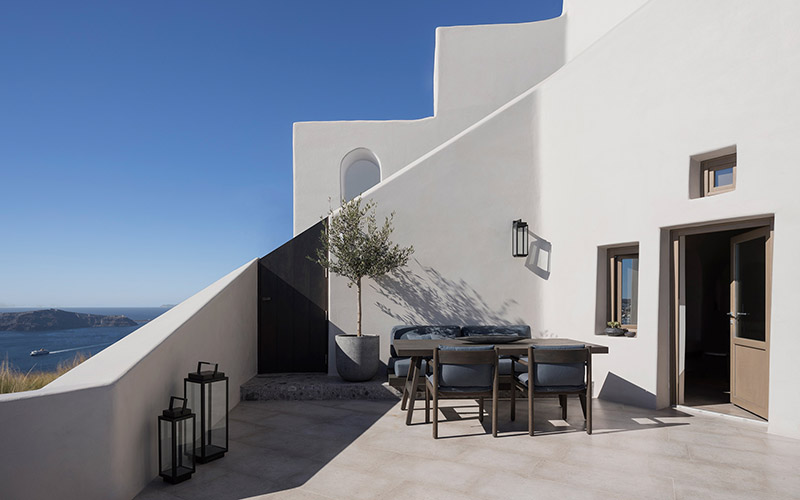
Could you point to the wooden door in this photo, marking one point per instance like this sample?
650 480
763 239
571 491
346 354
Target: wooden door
292 310
751 284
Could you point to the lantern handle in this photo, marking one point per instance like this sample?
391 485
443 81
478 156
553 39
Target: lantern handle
201 363
172 400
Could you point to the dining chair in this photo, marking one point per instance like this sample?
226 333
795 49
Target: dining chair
462 372
556 370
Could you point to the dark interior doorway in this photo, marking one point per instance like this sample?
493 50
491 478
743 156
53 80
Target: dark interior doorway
708 298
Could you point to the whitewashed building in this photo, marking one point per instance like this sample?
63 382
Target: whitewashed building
649 146
643 143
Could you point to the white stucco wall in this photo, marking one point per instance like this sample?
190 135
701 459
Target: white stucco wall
92 433
599 154
476 70
455 206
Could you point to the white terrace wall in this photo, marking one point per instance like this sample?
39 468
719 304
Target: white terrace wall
92 433
599 154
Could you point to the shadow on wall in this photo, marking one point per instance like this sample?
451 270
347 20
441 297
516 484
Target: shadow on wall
428 298
539 253
619 390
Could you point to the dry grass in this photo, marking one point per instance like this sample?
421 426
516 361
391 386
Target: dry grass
13 380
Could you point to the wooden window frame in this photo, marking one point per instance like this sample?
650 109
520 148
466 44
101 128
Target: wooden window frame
615 256
707 169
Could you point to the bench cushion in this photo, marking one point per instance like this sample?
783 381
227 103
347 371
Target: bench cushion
412 332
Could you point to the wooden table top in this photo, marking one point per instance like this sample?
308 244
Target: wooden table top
425 347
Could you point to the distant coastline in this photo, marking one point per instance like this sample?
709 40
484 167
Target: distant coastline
57 319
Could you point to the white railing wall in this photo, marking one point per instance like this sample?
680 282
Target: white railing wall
92 433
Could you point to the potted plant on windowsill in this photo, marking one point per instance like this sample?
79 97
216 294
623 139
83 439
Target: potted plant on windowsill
355 247
614 329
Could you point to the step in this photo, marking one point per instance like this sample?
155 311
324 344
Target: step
314 386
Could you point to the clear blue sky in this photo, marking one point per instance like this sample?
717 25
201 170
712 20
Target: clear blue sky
146 146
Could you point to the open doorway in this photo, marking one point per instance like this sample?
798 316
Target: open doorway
721 330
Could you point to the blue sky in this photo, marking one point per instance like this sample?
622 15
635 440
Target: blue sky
146 147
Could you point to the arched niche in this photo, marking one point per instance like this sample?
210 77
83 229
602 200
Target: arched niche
360 170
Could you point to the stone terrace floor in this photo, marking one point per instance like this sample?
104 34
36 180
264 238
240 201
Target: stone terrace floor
360 449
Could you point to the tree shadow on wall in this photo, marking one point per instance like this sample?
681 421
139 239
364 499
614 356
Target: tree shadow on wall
427 297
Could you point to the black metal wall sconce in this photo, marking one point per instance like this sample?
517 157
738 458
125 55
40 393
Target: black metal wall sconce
519 238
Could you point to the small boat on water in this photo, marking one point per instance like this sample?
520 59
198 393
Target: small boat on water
40 352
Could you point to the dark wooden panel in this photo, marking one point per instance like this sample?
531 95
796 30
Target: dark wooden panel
293 297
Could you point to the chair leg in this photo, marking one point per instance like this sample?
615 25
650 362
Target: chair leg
582 397
435 414
530 409
480 409
494 412
427 404
513 401
588 414
562 400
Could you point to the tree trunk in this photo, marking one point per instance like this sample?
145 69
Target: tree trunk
358 285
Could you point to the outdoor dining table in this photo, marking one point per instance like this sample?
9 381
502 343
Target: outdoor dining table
417 349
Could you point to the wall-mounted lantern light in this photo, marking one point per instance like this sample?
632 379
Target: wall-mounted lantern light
207 393
519 238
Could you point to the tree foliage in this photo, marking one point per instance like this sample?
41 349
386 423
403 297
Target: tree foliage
355 246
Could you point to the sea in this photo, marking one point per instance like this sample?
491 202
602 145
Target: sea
65 344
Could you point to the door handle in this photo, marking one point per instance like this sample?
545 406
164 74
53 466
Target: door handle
266 299
736 315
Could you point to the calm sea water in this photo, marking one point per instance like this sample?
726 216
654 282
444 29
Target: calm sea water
65 344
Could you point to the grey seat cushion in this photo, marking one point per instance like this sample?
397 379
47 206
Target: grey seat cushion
519 330
400 366
523 378
473 377
412 332
504 366
552 377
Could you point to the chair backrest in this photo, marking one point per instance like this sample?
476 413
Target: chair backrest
413 332
519 330
465 366
559 365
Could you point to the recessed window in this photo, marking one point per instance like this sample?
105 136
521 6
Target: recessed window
623 290
360 170
719 175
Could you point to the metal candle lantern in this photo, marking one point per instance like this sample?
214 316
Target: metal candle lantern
207 393
519 238
176 431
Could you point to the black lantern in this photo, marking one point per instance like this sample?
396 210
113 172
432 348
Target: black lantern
176 429
207 392
519 238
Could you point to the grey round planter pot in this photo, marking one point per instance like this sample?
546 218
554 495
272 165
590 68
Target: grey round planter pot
357 358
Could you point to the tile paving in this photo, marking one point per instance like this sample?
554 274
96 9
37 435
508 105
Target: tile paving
356 449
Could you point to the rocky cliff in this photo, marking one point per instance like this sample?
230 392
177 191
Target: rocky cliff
56 319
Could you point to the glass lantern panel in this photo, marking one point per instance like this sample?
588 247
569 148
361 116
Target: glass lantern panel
217 411
185 442
193 402
165 442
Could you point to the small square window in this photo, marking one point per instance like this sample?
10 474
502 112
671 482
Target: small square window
623 290
719 175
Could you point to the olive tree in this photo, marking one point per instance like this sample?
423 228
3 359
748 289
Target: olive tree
355 246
